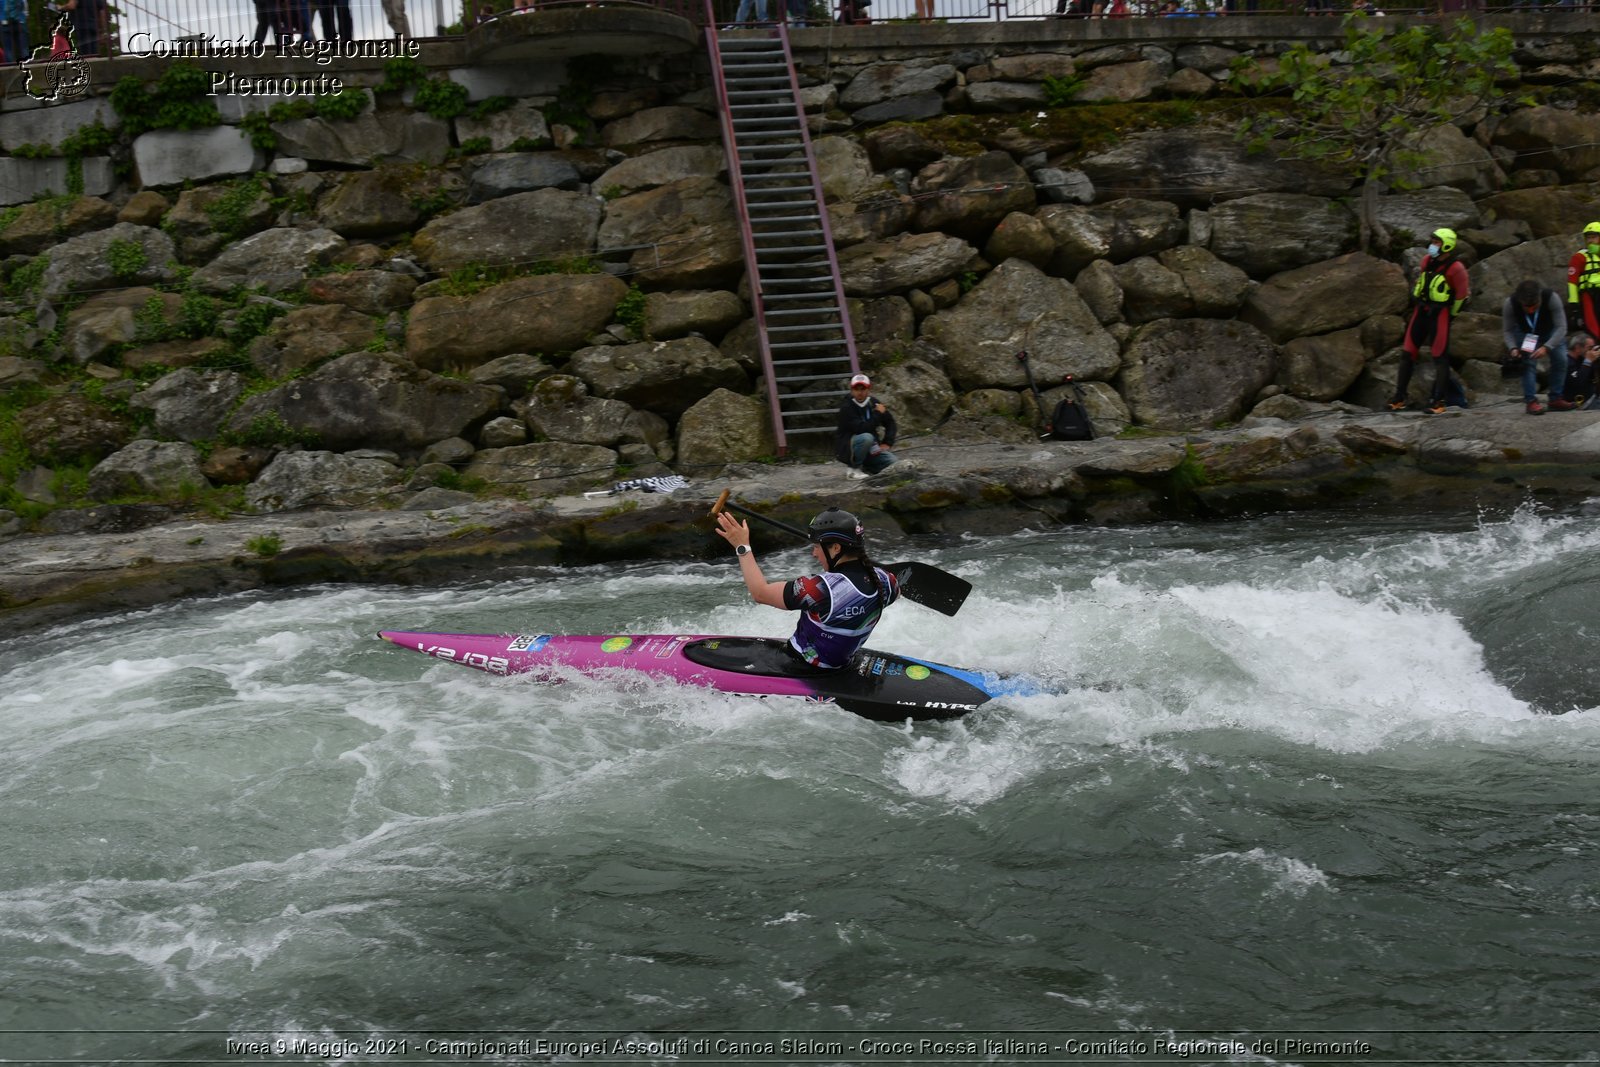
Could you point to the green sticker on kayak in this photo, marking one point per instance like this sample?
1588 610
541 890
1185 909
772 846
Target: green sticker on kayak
615 644
917 672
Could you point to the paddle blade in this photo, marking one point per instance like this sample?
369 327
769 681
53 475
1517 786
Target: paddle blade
929 586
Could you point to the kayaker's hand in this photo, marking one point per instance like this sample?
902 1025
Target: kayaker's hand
732 530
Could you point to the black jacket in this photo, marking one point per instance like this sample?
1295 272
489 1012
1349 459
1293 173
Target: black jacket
854 419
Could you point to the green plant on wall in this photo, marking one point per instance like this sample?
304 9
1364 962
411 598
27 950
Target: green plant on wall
126 258
180 100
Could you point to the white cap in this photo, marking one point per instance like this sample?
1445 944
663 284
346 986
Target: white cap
861 379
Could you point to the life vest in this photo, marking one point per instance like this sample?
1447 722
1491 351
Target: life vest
1432 285
1590 278
829 635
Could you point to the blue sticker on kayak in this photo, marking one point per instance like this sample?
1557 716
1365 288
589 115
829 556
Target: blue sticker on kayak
528 643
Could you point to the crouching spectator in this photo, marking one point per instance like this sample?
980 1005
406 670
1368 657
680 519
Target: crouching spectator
1534 323
865 431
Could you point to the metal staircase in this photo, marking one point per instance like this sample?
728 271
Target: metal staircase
808 351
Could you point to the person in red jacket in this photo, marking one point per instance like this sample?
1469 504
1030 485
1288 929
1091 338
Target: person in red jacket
1436 299
1583 282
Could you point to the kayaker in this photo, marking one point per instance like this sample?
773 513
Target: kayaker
839 607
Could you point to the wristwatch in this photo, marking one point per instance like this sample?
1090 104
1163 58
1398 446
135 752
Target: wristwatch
741 550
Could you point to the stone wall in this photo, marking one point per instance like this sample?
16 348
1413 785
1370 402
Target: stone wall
546 289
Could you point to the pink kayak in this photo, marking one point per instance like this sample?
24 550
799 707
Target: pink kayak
876 685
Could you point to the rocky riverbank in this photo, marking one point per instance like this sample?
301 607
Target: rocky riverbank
979 476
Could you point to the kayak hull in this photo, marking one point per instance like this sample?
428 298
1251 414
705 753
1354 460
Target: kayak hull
876 685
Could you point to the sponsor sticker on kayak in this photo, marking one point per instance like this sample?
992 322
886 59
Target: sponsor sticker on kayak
917 672
616 644
528 643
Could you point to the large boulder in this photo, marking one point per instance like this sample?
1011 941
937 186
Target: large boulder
371 292
918 393
377 203
662 167
1196 167
1552 138
1267 233
671 123
969 197
725 427
1216 289
206 218
163 469
1545 261
1124 82
690 235
709 313
1118 231
871 219
1020 308
189 404
172 157
1420 213
1548 211
308 336
845 170
560 409
513 229
372 400
544 469
878 83
523 123
1327 296
661 376
1192 374
1323 367
44 223
375 137
323 480
119 256
1446 156
1150 291
501 175
275 260
73 429
902 262
550 313
1181 281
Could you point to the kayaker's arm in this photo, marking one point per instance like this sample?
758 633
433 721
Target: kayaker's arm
737 534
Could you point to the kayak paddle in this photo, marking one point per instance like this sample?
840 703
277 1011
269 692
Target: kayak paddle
922 583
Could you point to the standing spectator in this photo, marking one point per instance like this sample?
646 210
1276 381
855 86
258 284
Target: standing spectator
86 24
1583 282
797 13
269 19
297 19
1535 328
866 430
924 10
755 8
337 22
1437 297
395 12
13 31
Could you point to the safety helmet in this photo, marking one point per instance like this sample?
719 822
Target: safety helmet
836 527
1592 228
1446 239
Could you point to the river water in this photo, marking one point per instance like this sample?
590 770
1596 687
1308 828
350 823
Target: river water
1315 789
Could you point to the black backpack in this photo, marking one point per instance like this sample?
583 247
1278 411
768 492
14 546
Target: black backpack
1069 422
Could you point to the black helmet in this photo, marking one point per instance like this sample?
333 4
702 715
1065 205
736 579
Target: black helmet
835 527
